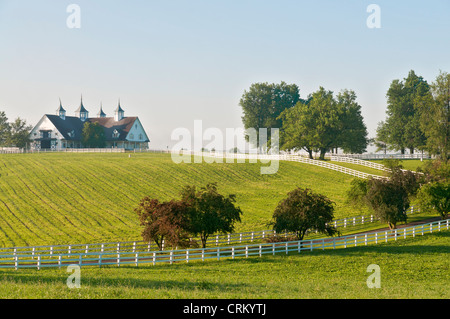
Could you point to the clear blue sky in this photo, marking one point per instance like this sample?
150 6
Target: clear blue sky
172 62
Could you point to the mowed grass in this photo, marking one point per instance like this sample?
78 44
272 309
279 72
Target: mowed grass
413 268
411 165
57 198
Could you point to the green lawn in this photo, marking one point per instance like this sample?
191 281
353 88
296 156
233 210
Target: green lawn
58 198
409 268
361 168
411 165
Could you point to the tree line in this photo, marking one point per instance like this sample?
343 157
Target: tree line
15 133
417 116
322 122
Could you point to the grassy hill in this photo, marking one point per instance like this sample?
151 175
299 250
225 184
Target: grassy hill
82 198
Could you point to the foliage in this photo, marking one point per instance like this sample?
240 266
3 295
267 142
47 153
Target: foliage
19 133
14 133
435 116
434 195
210 212
164 222
418 116
93 135
324 123
263 103
352 136
401 129
304 210
4 128
387 198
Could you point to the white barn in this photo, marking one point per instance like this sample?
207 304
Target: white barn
59 131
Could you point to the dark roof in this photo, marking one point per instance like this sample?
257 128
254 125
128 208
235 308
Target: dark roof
109 125
74 124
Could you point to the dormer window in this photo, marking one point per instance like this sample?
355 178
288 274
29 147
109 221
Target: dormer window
116 134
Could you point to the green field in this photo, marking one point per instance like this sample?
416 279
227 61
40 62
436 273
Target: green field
56 198
410 268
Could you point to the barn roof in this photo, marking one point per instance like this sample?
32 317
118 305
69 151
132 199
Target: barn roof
72 127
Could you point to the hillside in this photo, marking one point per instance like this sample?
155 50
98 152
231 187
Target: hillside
84 198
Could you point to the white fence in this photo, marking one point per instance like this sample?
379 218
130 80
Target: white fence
386 156
186 255
66 150
141 246
283 157
357 161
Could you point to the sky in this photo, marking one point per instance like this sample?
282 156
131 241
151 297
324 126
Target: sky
172 62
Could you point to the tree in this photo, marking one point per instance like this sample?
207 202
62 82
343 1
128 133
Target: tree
210 211
93 135
19 132
4 129
295 134
382 137
323 123
263 103
434 117
304 210
434 195
353 133
388 198
400 129
164 222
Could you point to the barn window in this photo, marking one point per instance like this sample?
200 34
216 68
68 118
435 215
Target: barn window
115 134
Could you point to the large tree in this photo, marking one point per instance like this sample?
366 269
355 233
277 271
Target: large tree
304 210
401 127
353 135
323 123
210 211
262 104
434 120
164 222
434 195
388 198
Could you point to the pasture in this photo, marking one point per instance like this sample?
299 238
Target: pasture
57 198
413 268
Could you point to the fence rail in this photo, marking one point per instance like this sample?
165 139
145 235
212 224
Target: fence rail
142 246
386 156
358 161
283 157
186 255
